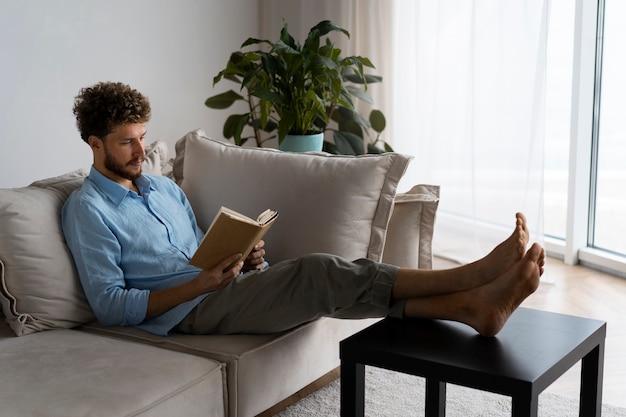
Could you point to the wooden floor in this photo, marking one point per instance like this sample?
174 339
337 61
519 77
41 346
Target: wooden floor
574 290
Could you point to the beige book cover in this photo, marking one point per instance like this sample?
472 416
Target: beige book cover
231 232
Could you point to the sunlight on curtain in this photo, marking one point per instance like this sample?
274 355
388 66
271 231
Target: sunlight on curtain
464 93
468 102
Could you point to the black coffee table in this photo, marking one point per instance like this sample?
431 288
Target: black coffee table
533 350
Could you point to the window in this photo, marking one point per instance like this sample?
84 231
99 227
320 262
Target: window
608 231
587 34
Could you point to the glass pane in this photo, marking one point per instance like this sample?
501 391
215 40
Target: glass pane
610 204
558 111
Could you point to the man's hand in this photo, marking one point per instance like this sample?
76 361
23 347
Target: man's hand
219 277
206 281
256 259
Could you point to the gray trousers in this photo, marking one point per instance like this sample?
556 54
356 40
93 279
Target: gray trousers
294 292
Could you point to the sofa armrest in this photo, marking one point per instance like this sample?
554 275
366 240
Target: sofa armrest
410 232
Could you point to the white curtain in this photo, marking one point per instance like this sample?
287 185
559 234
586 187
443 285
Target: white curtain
468 82
464 94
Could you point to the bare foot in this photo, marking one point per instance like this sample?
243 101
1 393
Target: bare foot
500 259
513 248
493 304
411 283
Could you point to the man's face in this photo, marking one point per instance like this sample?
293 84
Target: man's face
123 152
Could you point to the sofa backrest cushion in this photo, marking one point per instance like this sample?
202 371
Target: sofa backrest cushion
327 203
39 287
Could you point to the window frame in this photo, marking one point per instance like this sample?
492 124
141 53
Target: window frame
585 113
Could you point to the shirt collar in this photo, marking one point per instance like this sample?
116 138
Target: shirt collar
114 191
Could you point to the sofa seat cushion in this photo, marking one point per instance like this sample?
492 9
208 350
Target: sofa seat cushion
70 373
262 369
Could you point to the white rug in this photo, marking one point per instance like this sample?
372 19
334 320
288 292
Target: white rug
395 394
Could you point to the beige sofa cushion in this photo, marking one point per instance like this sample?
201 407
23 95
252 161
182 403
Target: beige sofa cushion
65 373
156 159
327 203
411 228
262 369
39 287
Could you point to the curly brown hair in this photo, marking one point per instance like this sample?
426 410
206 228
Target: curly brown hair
106 105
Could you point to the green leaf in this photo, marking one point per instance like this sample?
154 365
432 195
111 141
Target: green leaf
234 125
270 126
283 47
223 100
326 26
268 95
352 117
265 110
312 42
330 148
365 61
327 64
357 79
286 38
353 127
232 77
360 94
377 120
254 41
342 113
285 126
348 143
371 148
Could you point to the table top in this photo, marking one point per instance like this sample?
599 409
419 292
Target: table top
534 347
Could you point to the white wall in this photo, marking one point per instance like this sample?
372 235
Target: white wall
168 50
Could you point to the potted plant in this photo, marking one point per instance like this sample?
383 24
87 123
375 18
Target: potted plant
299 89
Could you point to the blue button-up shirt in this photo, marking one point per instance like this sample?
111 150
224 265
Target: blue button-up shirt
125 245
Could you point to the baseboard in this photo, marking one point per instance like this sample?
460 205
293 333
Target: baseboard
304 392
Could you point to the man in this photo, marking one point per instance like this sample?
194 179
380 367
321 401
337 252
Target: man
132 235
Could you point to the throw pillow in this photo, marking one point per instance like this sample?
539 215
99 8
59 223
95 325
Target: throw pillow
156 158
39 287
410 232
327 203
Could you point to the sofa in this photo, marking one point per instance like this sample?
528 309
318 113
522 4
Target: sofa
57 360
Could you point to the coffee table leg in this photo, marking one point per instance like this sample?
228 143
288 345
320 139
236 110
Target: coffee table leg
352 389
591 382
435 398
526 405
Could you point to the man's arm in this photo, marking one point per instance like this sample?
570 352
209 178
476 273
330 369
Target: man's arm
161 301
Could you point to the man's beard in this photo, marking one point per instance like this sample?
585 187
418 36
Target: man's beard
118 168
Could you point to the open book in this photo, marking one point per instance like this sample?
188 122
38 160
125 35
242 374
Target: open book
229 233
